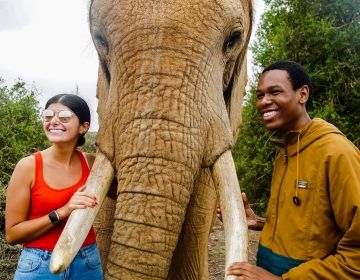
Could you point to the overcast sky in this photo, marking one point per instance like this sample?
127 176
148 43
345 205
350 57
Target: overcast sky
47 42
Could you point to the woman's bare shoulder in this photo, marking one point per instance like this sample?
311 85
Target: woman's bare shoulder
26 163
24 172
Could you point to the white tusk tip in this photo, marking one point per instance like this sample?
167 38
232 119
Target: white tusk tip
57 264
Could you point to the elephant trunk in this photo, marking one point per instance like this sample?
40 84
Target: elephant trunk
155 175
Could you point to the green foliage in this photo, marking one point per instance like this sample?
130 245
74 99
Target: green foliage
20 125
324 36
89 145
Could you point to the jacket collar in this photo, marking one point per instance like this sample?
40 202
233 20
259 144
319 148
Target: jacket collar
308 134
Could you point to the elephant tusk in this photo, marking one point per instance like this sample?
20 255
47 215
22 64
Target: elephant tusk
232 210
81 220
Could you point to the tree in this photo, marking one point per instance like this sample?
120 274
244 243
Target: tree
324 36
20 125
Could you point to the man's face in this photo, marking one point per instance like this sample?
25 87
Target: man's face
277 102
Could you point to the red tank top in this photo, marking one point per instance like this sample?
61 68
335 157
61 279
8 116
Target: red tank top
44 199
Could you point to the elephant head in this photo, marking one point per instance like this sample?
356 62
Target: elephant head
171 80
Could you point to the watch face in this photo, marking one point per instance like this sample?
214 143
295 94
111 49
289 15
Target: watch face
53 216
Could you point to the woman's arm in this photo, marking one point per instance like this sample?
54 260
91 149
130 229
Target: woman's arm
18 229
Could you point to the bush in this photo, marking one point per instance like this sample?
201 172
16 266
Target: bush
20 125
89 145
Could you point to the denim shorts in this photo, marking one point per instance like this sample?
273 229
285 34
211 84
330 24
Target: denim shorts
35 263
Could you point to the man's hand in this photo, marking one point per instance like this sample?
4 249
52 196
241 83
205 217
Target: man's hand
253 221
244 270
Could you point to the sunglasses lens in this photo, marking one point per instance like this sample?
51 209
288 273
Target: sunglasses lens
65 116
47 115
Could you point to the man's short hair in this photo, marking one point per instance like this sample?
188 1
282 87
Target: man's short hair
297 74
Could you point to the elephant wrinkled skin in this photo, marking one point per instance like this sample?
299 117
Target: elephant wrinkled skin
171 80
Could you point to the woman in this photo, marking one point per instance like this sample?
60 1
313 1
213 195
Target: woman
46 187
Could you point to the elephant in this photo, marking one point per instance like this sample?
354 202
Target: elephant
171 81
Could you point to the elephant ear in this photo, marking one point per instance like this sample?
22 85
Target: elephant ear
235 93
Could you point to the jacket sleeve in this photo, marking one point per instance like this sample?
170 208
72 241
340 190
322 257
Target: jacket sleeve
344 191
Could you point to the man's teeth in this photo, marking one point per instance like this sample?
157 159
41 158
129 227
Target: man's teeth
268 114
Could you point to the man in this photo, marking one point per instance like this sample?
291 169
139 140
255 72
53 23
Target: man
312 228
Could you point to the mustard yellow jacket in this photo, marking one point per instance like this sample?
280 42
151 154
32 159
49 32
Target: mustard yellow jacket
320 167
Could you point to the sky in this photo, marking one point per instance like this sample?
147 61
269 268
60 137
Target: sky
47 43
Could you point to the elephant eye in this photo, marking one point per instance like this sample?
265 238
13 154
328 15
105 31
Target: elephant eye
232 40
101 43
103 50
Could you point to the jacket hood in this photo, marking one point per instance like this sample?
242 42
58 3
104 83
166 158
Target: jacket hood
314 130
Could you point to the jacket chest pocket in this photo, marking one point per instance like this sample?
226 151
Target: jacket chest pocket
297 187
298 201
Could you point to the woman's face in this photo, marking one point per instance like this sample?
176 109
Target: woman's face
61 125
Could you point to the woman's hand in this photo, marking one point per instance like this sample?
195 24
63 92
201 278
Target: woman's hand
79 200
253 221
244 270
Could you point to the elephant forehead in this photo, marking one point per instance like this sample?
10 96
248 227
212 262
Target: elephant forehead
199 15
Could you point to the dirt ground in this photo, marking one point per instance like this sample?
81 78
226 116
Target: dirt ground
217 250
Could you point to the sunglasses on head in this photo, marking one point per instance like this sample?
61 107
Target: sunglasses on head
64 116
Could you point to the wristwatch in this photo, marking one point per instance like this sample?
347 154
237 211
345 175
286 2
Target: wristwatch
54 217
